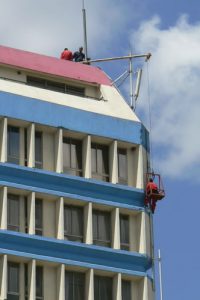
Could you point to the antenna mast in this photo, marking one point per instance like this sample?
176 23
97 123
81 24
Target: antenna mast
84 30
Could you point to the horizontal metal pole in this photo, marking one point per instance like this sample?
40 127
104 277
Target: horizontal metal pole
147 56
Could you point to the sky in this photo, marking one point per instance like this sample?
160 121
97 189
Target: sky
168 103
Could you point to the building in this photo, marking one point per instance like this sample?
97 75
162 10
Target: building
73 161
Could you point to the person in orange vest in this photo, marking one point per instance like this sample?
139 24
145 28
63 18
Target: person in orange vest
151 189
66 54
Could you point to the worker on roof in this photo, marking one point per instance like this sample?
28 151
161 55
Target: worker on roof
79 55
66 54
151 191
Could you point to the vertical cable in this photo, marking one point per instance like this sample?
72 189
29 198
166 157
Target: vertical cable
150 121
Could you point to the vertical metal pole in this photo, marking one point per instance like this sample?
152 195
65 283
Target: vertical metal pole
160 274
152 248
131 81
85 31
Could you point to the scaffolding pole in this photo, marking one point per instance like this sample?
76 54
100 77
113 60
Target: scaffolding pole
146 56
84 31
160 274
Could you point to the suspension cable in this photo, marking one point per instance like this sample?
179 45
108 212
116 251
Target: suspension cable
150 120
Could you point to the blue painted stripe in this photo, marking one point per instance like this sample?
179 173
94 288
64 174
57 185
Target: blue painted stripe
70 186
60 251
51 114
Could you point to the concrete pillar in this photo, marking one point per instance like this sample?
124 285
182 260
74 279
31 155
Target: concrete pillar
89 286
60 218
142 245
59 150
3 277
31 213
115 228
113 164
117 287
87 157
3 139
61 282
140 167
31 145
3 208
88 237
32 280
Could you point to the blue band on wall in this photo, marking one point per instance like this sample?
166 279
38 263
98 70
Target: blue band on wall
73 253
70 186
51 114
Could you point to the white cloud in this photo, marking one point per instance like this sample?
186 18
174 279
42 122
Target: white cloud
174 74
48 26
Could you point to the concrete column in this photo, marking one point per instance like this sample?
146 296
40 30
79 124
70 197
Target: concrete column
3 207
31 145
59 150
3 139
113 164
32 280
87 157
3 277
60 218
142 245
117 287
61 282
89 286
88 236
31 213
140 167
115 228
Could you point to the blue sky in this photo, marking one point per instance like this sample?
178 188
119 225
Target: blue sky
170 30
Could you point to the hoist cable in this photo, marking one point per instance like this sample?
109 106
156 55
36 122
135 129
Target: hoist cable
150 120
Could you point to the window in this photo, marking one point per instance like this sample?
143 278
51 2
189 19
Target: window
122 166
13 145
39 283
100 164
126 290
102 288
13 281
38 150
13 212
101 228
74 286
124 232
72 156
73 223
56 86
26 291
38 217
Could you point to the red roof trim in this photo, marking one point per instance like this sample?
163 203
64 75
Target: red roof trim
52 66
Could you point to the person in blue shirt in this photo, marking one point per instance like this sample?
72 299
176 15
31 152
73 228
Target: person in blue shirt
79 55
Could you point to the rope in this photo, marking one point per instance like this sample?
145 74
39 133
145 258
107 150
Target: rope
150 121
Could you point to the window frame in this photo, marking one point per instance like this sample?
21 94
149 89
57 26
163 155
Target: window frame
78 279
96 162
122 180
71 236
96 239
124 245
39 229
10 226
10 292
78 150
14 159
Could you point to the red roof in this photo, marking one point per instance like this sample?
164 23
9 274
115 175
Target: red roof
52 66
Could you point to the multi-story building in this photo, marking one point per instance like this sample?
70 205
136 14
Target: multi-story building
73 158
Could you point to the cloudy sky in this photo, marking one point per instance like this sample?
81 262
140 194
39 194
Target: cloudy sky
170 30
